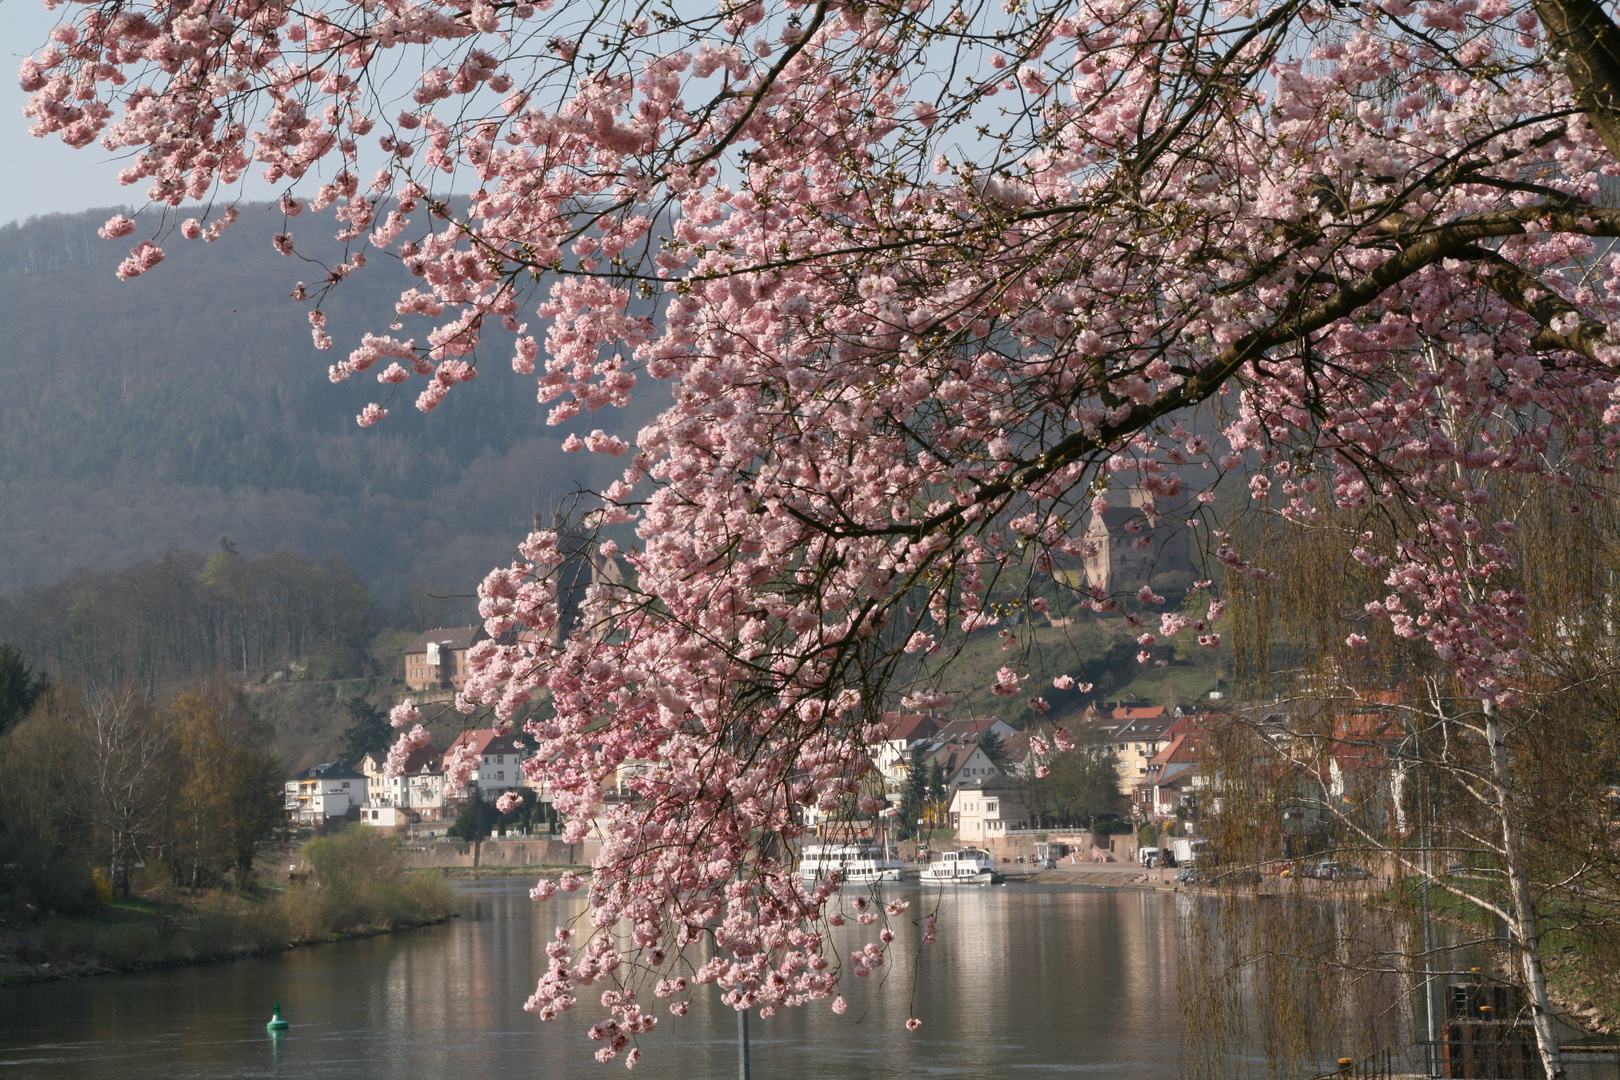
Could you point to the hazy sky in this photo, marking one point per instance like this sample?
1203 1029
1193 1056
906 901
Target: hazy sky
41 176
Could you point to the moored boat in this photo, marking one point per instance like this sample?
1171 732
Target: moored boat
860 865
970 866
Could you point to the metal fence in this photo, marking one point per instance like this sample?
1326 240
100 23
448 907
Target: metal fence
1468 1053
1379 1066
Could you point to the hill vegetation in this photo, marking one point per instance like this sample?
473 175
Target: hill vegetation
167 411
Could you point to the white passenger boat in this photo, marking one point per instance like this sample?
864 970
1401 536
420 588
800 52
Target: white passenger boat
860 865
969 866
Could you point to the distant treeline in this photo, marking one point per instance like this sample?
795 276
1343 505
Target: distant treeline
161 623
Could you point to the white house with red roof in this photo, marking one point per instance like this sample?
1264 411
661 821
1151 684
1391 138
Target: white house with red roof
417 794
499 759
898 734
1173 779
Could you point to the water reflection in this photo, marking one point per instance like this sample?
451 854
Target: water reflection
1023 980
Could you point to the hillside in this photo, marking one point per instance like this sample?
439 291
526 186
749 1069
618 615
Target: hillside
1093 650
188 404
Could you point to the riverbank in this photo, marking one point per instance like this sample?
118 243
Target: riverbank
357 888
145 935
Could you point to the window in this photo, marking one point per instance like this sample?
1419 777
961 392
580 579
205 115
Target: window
500 759
345 785
989 807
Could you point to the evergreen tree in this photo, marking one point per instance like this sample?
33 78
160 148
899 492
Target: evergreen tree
913 799
994 749
19 687
476 820
368 730
936 786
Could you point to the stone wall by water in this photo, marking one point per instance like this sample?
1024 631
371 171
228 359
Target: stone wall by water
1085 846
498 852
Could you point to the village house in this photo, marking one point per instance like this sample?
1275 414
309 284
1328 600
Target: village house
983 810
1136 741
923 739
899 734
499 760
960 763
437 659
414 796
1173 782
322 792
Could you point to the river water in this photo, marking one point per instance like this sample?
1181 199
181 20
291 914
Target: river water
1025 981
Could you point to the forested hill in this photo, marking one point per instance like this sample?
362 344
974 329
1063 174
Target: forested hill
190 404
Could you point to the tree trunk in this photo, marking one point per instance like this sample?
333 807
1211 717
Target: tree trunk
1581 34
1526 933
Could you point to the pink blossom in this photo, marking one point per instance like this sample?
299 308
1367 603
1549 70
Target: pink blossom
118 225
1006 684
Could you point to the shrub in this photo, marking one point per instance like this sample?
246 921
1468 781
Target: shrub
360 883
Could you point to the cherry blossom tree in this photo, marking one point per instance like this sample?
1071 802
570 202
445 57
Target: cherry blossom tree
924 280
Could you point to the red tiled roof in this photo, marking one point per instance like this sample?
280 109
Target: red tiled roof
484 741
423 759
909 726
970 728
1183 748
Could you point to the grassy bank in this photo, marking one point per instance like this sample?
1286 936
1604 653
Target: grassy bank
356 888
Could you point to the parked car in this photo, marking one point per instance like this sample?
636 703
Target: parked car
1046 864
1333 871
1238 879
1191 876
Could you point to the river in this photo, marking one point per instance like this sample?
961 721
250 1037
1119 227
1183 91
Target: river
1024 981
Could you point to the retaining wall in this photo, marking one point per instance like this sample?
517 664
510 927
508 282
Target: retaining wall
499 852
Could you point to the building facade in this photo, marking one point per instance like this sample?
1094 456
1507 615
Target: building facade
322 792
1134 545
983 811
500 760
417 794
437 659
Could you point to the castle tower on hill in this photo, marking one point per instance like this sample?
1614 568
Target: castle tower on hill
1131 544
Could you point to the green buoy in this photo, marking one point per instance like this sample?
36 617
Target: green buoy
276 1022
